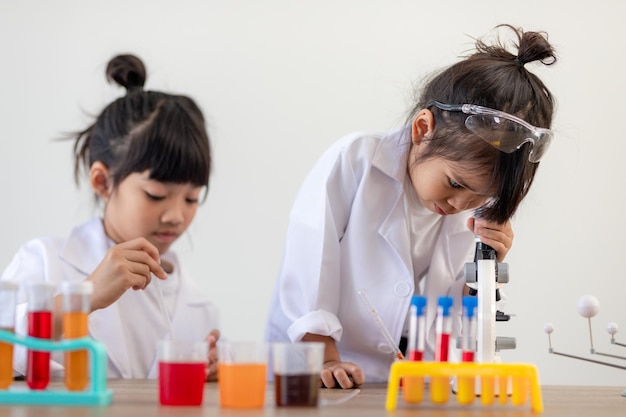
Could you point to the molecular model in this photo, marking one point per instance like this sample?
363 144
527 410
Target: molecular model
588 306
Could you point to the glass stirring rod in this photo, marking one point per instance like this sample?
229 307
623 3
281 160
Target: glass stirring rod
168 267
381 326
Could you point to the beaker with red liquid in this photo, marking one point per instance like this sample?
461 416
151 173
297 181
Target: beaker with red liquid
181 371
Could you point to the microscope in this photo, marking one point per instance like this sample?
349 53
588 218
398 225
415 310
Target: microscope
484 277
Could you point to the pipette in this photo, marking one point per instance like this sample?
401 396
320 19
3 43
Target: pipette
381 326
166 314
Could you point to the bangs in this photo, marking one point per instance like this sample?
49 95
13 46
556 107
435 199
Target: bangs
173 145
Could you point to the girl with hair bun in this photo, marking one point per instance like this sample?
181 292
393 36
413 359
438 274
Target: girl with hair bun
148 161
396 213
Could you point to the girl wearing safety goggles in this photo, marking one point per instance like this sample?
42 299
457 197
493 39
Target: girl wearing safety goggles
396 213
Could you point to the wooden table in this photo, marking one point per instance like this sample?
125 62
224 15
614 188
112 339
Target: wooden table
138 398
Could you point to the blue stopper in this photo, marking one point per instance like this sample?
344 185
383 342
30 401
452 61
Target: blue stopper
419 301
446 303
469 306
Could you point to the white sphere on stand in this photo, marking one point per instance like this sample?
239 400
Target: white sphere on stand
548 328
588 306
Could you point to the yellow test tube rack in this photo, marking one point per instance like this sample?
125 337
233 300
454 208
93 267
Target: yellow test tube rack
489 378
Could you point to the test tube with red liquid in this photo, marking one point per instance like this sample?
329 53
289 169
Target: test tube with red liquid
8 299
40 307
76 308
444 328
413 387
468 340
440 386
466 391
417 329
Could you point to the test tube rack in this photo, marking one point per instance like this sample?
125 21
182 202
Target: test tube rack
95 394
523 378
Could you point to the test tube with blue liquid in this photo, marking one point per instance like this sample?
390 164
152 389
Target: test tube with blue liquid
413 387
440 386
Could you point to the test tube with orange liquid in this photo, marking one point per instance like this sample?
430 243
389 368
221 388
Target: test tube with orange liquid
76 308
413 387
8 298
466 391
440 386
40 307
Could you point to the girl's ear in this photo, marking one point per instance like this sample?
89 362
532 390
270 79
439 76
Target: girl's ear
99 178
422 126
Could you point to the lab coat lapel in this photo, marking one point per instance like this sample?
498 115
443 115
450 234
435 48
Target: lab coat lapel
391 160
106 324
394 231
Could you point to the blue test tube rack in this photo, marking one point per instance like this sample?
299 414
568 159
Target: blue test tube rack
95 394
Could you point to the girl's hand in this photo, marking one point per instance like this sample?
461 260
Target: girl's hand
211 369
126 265
346 374
498 236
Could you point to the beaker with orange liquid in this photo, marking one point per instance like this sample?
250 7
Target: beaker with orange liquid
242 373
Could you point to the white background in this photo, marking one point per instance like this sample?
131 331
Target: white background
279 81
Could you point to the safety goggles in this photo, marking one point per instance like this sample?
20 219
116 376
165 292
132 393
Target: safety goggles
502 130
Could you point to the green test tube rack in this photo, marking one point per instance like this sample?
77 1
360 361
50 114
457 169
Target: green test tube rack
95 394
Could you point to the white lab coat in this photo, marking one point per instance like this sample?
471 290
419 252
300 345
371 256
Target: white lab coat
131 327
348 231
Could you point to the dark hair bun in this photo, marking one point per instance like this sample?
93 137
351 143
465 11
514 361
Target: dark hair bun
127 70
534 46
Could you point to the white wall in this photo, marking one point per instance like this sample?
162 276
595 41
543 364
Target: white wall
280 81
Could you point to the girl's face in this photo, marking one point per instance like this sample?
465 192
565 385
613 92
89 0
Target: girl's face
157 211
442 186
447 188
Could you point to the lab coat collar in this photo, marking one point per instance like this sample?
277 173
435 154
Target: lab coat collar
391 156
86 246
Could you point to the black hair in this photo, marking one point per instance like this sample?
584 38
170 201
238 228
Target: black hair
496 78
146 130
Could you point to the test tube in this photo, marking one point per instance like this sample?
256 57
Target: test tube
413 387
444 328
8 298
76 308
466 391
417 329
468 341
40 306
440 386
